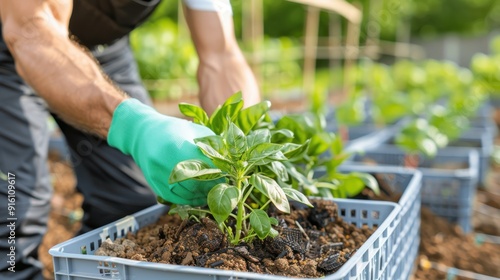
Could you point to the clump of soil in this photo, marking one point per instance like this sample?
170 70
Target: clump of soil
444 243
312 242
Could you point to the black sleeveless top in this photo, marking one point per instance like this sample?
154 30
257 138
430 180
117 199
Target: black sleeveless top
100 22
93 23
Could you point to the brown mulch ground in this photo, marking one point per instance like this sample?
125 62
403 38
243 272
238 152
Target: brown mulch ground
64 217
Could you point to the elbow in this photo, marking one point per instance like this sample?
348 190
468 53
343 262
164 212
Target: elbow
13 38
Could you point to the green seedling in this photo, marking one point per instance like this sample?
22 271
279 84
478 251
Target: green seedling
322 152
251 165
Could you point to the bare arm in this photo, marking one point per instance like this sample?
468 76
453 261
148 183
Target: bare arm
223 69
36 32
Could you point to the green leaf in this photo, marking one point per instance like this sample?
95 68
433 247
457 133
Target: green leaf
219 161
327 193
320 143
258 136
273 233
219 119
334 188
352 186
236 141
249 117
210 152
181 210
294 151
262 151
338 159
281 135
193 169
160 200
260 222
302 180
197 113
302 126
368 180
214 141
272 190
297 196
279 169
337 145
222 199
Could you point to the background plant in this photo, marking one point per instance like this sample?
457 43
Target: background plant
315 169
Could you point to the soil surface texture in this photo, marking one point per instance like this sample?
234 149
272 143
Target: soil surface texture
319 246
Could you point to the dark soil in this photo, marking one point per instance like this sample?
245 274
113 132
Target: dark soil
323 245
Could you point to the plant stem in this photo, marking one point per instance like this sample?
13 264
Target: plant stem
239 216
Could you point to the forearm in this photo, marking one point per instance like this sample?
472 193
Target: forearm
223 69
221 76
63 74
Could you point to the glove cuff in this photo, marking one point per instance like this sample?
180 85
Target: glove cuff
129 119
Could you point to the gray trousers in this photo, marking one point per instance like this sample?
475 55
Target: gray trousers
111 183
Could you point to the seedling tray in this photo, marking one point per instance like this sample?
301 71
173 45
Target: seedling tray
449 193
75 259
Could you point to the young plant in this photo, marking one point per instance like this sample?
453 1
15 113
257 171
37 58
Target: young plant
315 170
250 164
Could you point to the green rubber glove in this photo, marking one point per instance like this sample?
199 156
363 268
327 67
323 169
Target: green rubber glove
157 143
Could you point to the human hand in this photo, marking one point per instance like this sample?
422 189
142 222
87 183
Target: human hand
157 143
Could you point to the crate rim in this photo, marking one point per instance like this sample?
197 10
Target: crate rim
345 270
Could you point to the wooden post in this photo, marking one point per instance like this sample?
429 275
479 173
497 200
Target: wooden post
353 16
350 56
252 33
310 45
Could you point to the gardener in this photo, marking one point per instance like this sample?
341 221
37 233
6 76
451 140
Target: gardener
89 108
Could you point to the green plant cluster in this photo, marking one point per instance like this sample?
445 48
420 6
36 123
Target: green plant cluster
262 164
486 68
437 98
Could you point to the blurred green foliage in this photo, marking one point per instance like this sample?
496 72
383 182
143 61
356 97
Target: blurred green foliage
163 55
486 68
470 17
436 97
167 62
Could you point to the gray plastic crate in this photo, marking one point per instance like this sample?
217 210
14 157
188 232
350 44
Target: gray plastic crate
449 193
482 139
407 182
369 262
